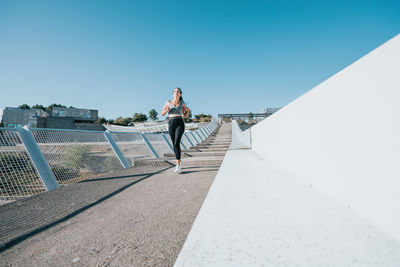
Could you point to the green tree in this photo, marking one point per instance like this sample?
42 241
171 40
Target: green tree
50 108
37 106
153 114
139 117
205 119
226 119
199 116
24 106
203 116
122 121
101 120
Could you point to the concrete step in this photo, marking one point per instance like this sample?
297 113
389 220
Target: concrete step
200 161
211 146
205 150
222 139
196 154
186 162
216 143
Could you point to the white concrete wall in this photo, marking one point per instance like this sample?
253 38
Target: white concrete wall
343 136
240 139
256 214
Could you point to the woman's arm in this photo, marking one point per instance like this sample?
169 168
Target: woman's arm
166 108
185 110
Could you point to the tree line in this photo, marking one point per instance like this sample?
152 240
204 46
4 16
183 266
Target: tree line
136 118
48 108
140 117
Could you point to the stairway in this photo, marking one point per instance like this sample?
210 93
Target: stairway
211 152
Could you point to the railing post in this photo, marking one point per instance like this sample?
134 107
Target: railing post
182 144
188 139
207 130
202 132
200 137
208 127
191 132
42 166
168 143
213 126
117 152
150 146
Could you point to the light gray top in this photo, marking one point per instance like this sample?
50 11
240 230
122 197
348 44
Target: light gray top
175 110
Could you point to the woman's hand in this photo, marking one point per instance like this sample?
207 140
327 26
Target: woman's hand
166 108
185 111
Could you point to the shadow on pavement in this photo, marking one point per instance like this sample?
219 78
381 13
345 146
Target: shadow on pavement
210 170
20 219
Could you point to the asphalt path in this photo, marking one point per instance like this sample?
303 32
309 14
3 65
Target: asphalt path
140 217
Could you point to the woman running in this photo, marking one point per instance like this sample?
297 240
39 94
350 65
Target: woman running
176 109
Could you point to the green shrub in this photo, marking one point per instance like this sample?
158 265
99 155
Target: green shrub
76 156
227 119
111 163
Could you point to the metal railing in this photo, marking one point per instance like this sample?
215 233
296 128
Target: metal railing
74 155
160 128
18 175
34 160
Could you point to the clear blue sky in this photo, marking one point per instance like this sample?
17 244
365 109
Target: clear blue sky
123 57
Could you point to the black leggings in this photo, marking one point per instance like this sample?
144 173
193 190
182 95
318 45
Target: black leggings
176 128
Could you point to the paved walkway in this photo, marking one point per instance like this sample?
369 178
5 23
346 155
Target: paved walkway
138 217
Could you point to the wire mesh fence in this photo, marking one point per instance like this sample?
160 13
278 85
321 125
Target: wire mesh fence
160 128
74 155
192 138
132 146
18 175
158 143
188 137
137 129
198 135
185 142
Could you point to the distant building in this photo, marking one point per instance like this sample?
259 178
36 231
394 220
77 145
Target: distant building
58 118
250 116
77 114
269 111
16 117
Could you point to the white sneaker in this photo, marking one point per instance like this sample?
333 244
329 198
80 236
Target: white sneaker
178 169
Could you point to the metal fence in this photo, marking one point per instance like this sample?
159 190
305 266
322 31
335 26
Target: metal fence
34 160
18 175
74 156
132 146
159 128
